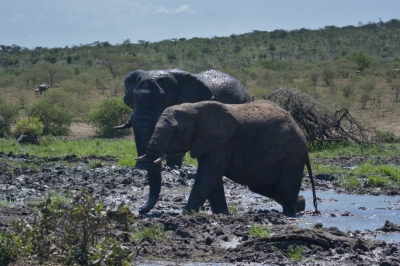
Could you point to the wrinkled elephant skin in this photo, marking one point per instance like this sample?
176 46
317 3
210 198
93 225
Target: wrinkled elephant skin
256 144
149 93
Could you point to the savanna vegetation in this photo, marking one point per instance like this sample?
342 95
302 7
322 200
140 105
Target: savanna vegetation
353 67
356 67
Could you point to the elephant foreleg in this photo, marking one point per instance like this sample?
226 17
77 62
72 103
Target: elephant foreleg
208 183
217 198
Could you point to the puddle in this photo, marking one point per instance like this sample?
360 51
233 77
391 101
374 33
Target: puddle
366 212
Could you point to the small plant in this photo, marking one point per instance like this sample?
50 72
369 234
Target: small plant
351 183
4 203
152 232
233 209
47 140
259 231
191 212
296 253
377 181
95 163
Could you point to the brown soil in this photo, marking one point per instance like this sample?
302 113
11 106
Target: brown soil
81 130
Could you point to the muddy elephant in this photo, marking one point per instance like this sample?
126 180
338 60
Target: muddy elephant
257 144
148 93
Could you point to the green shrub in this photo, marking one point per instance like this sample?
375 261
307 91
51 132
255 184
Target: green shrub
31 126
296 253
152 232
377 181
109 113
8 115
77 230
259 231
56 120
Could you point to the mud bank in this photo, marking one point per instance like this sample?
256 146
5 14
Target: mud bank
199 238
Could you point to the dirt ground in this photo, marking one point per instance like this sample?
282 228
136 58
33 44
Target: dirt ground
198 239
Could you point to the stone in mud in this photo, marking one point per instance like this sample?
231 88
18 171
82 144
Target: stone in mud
390 227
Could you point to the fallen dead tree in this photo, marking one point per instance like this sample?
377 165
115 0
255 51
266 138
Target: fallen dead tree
319 123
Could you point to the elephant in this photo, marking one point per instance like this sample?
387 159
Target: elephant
149 93
257 144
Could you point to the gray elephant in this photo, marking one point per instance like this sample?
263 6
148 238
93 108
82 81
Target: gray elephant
150 92
257 144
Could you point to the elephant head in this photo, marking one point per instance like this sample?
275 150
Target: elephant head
149 93
180 129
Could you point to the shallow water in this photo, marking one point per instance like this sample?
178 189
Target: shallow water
366 212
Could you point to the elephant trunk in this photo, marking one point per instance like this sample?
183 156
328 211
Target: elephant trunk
154 175
142 131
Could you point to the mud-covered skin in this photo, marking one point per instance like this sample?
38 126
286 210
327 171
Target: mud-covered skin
150 92
257 144
191 238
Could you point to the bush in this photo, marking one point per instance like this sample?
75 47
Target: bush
56 120
109 113
78 230
385 137
8 115
31 126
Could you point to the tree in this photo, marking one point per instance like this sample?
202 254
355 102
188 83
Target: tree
56 120
8 115
109 112
48 71
362 60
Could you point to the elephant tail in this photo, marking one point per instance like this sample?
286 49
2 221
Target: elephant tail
312 183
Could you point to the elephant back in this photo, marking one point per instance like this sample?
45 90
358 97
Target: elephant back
225 88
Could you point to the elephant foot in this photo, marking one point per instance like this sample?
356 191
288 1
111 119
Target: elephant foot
301 204
292 209
144 210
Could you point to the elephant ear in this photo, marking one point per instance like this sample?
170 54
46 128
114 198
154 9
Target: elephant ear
214 125
190 89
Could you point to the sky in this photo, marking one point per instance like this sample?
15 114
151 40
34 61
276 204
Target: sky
60 23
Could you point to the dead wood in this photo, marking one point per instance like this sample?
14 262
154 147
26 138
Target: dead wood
318 122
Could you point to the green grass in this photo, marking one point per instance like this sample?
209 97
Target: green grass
59 147
95 163
152 232
259 231
123 150
378 175
4 203
296 253
378 181
349 150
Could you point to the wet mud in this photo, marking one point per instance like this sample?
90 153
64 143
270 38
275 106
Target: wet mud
197 239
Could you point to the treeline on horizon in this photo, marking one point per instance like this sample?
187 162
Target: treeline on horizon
351 66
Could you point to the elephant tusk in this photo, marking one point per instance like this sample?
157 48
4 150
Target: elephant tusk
159 160
141 158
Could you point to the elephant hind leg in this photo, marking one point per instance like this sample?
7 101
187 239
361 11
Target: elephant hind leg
289 200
